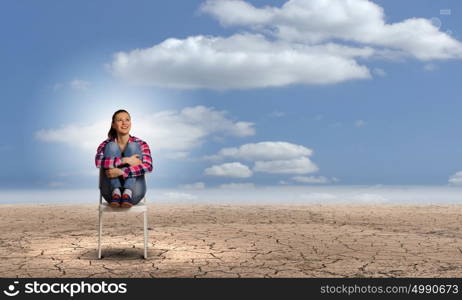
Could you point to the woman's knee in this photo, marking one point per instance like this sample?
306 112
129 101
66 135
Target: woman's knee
132 148
112 149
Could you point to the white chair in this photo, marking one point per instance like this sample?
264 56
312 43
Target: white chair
141 207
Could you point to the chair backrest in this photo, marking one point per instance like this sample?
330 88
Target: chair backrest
101 173
101 170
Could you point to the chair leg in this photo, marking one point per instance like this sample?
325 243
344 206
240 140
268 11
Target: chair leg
99 234
145 235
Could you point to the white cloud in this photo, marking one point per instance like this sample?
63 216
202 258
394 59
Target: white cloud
302 165
311 179
456 179
249 16
317 21
360 123
71 134
272 157
78 84
213 121
193 186
234 169
265 151
173 132
237 186
301 42
241 61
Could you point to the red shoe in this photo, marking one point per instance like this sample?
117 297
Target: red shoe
114 202
126 201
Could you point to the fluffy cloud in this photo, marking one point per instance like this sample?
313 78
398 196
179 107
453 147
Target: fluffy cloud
301 42
265 151
212 121
71 134
234 169
456 179
302 165
172 131
241 61
272 157
318 21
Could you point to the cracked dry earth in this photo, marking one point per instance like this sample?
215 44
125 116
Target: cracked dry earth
234 241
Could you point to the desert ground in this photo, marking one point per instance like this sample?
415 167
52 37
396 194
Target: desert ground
193 240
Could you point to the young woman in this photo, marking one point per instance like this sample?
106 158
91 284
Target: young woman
123 160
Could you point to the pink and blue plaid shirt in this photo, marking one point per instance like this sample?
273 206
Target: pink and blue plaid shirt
115 162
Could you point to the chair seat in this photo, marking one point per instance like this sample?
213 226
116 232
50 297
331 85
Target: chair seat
140 207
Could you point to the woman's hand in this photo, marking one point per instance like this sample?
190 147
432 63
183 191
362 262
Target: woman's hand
114 172
133 160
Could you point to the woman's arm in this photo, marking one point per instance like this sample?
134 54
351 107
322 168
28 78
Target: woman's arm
106 162
146 162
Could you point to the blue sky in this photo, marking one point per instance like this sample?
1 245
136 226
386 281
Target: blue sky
389 115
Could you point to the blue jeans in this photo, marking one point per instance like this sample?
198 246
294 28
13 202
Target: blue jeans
136 184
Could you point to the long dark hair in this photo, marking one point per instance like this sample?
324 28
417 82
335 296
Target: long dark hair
112 133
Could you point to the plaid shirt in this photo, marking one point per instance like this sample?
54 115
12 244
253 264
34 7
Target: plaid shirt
116 162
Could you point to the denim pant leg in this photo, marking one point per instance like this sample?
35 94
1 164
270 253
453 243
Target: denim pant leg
131 149
107 185
136 184
139 189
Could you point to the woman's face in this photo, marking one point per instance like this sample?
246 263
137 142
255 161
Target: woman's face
122 123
